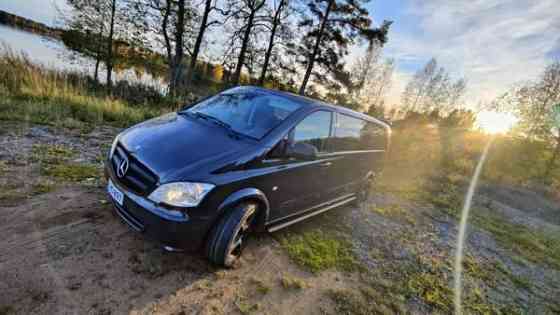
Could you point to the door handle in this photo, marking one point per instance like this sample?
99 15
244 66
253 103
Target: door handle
326 164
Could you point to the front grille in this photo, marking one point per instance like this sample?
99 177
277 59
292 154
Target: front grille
138 177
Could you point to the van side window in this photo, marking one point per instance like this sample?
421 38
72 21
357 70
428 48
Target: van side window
315 129
353 134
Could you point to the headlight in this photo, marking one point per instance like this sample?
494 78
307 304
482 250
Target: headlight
114 145
181 194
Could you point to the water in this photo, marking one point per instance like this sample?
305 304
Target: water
458 272
39 49
53 54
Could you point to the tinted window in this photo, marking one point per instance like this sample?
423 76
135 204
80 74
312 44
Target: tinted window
252 114
314 129
353 134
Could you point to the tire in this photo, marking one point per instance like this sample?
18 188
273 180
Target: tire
362 195
227 239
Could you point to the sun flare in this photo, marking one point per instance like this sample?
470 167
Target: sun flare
494 122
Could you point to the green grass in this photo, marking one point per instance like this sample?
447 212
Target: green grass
42 187
534 245
395 212
260 286
365 300
291 282
317 251
3 167
71 171
51 153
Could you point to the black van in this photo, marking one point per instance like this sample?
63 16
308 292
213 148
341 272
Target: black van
247 159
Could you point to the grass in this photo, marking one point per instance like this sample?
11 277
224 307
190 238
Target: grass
395 212
533 245
365 300
245 307
260 286
6 309
54 163
317 251
428 280
33 93
3 167
291 282
12 197
51 153
42 187
71 171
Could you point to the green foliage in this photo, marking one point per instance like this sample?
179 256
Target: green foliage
317 251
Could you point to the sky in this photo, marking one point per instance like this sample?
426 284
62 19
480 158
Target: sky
492 43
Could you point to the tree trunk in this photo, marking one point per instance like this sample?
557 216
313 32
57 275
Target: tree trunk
315 49
96 72
178 58
109 61
550 164
98 57
275 22
241 58
198 42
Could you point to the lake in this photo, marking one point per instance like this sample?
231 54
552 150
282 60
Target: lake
54 54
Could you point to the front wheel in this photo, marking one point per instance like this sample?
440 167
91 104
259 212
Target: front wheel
363 193
228 237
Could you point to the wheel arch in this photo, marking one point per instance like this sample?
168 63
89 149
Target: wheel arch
248 194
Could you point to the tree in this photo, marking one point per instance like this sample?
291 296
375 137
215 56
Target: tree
534 104
372 78
332 26
109 60
432 89
245 14
166 25
277 19
205 24
87 27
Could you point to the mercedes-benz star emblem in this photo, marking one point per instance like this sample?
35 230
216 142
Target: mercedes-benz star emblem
123 167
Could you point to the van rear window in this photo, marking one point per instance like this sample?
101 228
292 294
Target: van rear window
353 134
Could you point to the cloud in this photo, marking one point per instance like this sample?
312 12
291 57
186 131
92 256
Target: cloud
493 43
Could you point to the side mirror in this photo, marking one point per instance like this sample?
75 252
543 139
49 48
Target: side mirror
302 151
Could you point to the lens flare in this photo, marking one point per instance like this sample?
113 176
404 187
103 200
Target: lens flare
495 122
458 270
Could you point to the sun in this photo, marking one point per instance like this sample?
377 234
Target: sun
495 122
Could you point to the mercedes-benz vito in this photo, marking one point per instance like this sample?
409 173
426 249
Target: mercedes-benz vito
247 159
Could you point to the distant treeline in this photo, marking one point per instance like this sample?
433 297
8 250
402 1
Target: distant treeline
28 25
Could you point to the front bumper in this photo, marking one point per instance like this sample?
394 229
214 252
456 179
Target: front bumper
144 216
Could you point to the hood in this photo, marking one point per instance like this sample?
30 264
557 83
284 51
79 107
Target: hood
172 143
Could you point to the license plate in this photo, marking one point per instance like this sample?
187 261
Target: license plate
115 193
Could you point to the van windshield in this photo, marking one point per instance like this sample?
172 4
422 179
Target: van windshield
250 114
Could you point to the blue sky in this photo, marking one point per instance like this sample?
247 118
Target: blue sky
493 43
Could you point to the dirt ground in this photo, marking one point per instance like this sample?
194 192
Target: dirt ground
64 251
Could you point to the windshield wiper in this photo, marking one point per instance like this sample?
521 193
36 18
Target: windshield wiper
231 131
